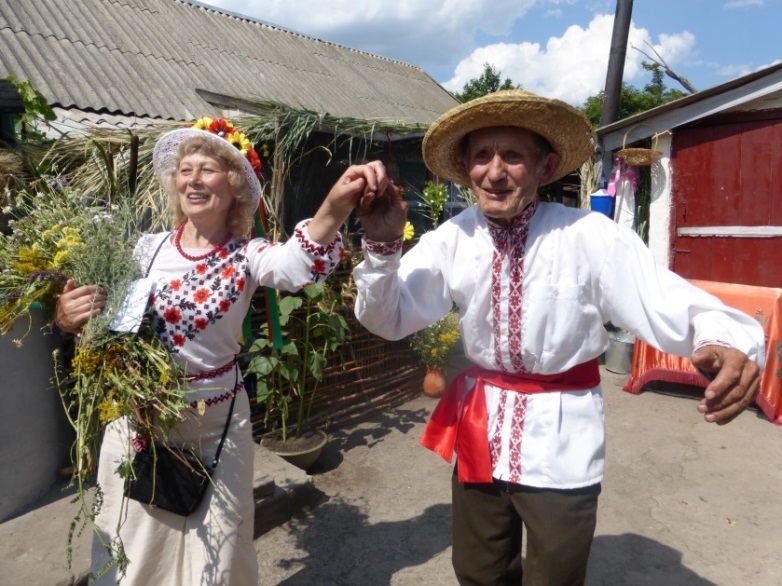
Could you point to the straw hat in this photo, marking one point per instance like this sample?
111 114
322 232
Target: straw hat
566 129
219 132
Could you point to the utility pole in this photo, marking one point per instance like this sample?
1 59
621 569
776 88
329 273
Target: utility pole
616 61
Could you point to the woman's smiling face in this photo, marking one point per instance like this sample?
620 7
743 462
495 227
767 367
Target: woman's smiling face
203 187
505 168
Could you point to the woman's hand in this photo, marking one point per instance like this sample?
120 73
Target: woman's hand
344 196
77 305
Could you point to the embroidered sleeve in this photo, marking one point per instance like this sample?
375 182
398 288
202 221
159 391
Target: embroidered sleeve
325 257
296 263
383 248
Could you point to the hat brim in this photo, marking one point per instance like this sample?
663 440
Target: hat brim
164 157
563 126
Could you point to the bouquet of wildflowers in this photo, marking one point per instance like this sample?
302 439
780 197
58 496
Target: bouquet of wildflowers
433 343
54 233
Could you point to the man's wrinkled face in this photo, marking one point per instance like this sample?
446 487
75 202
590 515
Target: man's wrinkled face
506 167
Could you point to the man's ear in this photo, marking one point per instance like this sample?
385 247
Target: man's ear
550 167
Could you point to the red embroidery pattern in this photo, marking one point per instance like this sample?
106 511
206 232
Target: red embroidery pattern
320 266
516 434
510 243
185 307
220 398
383 248
495 442
214 373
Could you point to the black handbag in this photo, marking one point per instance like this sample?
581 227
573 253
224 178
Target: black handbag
170 478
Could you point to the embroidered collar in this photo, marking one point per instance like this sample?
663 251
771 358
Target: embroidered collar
518 227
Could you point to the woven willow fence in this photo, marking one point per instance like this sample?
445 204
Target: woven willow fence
367 376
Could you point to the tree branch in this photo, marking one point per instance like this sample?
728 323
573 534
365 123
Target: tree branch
668 71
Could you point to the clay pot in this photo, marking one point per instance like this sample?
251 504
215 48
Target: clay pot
434 383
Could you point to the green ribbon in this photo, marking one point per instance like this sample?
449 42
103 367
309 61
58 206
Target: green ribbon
270 298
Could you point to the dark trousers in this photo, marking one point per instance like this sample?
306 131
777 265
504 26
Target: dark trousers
487 522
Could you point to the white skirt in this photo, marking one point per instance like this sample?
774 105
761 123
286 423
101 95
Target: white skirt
214 545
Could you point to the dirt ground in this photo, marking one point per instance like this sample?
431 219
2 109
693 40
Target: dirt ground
684 502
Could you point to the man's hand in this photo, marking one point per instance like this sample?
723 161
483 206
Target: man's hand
77 305
735 385
382 214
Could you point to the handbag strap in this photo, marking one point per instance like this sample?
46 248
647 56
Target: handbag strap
236 382
227 423
154 256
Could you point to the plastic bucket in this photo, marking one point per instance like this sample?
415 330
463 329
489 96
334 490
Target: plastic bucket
603 204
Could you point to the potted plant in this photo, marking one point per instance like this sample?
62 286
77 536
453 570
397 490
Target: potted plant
288 377
433 345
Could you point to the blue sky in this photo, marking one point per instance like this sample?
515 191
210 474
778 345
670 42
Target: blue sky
558 48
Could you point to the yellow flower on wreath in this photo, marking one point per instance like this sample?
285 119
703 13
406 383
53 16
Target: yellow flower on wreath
203 123
240 141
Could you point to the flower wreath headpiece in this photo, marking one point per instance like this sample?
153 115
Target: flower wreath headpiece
217 129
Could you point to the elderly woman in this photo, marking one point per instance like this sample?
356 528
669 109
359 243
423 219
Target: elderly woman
204 274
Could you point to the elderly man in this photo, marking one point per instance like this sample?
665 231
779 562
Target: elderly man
534 284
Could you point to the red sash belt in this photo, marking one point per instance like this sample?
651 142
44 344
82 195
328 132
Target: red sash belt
462 422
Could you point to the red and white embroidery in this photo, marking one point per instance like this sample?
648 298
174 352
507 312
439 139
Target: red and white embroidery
516 434
383 248
509 243
509 247
185 307
322 266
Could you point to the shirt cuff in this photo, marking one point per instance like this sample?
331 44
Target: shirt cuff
383 248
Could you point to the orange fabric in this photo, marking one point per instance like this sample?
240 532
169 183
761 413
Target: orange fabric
765 305
462 422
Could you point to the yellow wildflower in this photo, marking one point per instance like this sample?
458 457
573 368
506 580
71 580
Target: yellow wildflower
409 231
165 377
108 411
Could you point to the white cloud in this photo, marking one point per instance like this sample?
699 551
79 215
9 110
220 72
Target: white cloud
744 3
571 67
425 33
433 36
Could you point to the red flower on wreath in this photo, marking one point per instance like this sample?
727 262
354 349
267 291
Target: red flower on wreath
255 162
221 127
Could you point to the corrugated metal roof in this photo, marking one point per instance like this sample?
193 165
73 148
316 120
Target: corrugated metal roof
147 58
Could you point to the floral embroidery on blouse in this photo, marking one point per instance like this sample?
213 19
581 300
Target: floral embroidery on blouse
184 307
320 267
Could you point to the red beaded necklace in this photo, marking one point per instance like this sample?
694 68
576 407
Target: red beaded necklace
178 245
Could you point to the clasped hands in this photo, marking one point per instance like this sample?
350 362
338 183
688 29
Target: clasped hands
379 207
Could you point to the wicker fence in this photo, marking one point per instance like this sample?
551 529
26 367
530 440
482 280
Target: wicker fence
367 376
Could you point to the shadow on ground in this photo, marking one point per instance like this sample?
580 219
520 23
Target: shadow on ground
619 560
